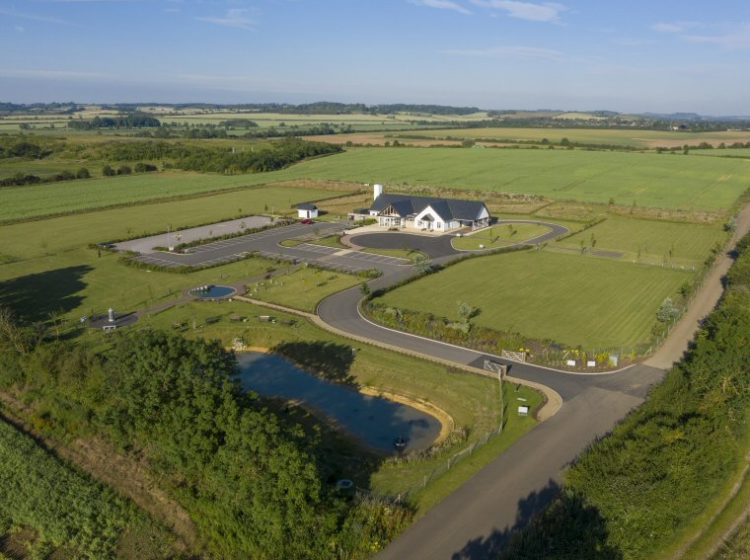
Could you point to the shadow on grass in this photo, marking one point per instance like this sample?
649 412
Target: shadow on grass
35 297
550 524
328 360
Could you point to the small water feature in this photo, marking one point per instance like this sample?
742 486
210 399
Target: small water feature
375 421
210 291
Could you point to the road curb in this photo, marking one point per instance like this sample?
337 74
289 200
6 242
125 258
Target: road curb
553 400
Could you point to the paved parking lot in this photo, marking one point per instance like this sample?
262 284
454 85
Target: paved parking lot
267 243
145 245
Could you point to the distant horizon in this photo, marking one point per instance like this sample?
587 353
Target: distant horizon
314 101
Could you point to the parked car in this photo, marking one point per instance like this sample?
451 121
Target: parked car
307 221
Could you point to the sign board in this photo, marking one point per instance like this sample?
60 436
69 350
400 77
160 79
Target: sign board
523 410
571 363
496 367
591 363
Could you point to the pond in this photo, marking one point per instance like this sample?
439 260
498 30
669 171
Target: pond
374 421
212 292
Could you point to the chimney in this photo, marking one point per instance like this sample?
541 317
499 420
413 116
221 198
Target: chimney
377 190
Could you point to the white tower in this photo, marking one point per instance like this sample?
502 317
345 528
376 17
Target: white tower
111 315
377 190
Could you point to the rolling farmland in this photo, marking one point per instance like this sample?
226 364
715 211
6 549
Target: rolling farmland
652 180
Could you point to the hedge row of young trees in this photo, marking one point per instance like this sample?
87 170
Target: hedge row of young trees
669 459
20 179
252 481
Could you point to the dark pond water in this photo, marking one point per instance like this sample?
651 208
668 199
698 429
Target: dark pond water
212 292
375 421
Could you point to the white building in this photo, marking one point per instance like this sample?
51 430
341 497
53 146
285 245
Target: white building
307 210
426 213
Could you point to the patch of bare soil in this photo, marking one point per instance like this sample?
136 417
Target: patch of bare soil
17 544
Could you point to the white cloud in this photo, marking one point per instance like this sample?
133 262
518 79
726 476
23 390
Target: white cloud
546 11
50 74
674 26
33 17
236 17
508 52
733 40
441 5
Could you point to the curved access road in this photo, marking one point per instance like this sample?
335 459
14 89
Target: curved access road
476 521
483 511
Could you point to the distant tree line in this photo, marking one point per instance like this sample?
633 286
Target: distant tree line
269 158
316 108
134 120
255 158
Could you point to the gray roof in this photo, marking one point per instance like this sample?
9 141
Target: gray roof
446 208
306 206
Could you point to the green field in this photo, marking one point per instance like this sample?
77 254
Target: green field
72 196
499 236
620 137
570 299
303 288
652 180
651 241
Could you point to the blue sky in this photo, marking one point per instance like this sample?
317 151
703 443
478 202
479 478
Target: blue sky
636 55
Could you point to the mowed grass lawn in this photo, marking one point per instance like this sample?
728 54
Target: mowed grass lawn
689 244
303 288
499 236
648 179
572 299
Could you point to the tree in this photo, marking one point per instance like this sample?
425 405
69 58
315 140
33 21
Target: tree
107 171
422 264
467 312
83 173
667 311
124 170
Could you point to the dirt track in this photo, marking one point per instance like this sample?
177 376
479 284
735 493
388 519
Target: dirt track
703 303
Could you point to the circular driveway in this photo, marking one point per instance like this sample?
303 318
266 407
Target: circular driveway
433 247
440 246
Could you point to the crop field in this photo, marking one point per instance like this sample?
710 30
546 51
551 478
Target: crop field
303 288
499 236
620 137
87 194
651 180
651 241
571 299
65 509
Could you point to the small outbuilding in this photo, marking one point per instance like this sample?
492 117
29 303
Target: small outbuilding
307 210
